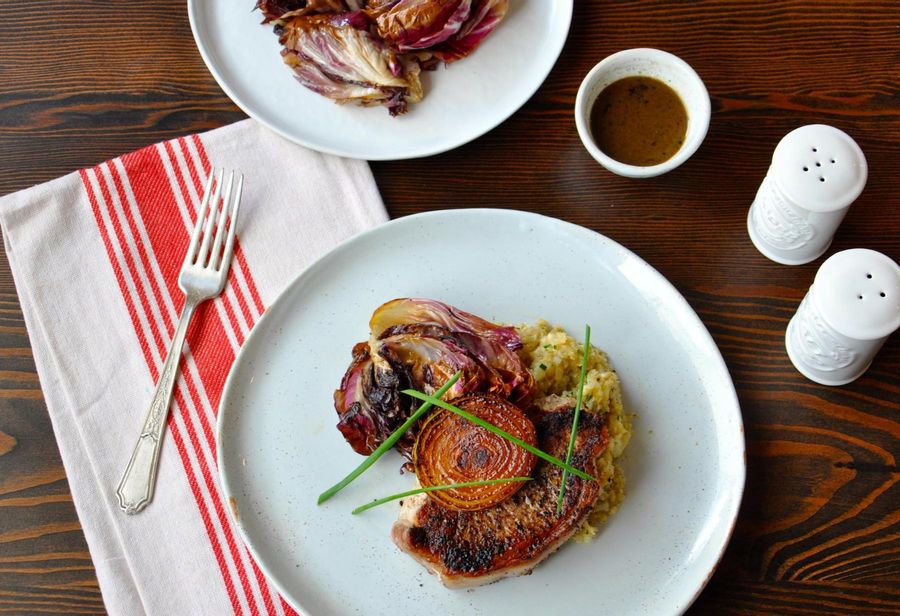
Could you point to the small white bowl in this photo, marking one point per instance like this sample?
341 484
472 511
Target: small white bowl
661 65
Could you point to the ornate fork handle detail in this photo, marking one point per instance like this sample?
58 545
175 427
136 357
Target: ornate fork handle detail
135 489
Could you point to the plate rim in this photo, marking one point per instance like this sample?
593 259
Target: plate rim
734 411
192 6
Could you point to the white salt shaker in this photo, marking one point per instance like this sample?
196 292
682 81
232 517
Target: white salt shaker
848 313
817 171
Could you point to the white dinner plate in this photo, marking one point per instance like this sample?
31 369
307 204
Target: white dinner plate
462 101
279 448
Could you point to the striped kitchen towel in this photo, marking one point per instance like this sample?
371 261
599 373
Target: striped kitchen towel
95 256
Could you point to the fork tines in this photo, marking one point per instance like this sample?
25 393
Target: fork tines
205 249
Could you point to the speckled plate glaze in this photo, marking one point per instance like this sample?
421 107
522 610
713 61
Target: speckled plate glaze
462 101
278 448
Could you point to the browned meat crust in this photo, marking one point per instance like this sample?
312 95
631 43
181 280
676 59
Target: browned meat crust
477 547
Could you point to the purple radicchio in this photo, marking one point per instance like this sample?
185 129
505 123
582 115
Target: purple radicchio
422 343
371 52
484 17
275 10
408 311
368 403
408 25
336 56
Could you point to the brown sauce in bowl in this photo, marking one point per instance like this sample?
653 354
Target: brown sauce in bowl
639 121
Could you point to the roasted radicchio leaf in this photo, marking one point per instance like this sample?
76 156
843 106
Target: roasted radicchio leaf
490 366
336 56
273 10
484 17
422 343
492 345
408 25
371 52
430 361
368 403
408 311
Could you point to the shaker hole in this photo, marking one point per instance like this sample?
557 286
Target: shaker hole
883 294
806 168
833 161
859 297
818 164
821 178
815 149
869 276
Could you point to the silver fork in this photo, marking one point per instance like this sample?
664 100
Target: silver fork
202 277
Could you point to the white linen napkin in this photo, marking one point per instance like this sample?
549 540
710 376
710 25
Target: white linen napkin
95 256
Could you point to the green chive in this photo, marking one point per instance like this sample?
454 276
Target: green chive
543 366
584 361
498 431
387 444
465 484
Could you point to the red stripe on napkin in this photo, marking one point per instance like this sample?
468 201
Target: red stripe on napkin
114 189
179 152
165 240
152 366
144 205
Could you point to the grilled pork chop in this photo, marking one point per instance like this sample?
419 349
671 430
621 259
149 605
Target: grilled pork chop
471 548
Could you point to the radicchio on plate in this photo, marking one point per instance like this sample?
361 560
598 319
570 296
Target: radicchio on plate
336 56
371 52
407 25
484 18
409 310
274 10
422 343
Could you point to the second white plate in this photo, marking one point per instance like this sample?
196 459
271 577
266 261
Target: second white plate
462 101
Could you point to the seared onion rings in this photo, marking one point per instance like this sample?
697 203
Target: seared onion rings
451 449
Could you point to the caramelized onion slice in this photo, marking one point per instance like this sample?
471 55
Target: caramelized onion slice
451 449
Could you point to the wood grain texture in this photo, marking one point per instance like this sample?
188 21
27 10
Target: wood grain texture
819 529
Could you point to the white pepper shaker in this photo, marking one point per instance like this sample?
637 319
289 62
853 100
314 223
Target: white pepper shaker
817 171
850 310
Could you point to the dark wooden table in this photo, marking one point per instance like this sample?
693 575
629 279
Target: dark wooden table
819 529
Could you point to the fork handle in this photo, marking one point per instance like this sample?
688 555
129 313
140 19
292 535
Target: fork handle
135 490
